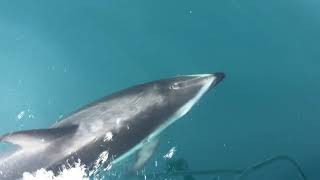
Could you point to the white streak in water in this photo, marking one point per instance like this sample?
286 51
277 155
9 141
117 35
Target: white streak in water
21 115
170 154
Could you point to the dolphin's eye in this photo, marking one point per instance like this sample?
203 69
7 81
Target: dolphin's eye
174 86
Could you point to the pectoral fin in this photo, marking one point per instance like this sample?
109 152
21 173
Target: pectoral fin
145 154
36 137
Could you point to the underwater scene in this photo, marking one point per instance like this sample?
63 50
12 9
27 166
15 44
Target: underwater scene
160 90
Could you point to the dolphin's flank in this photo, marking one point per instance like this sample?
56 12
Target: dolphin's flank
120 124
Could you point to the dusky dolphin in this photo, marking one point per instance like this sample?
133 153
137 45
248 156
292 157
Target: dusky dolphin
117 125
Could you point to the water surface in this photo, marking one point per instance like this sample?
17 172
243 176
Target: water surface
56 56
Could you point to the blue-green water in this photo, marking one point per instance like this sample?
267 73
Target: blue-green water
56 56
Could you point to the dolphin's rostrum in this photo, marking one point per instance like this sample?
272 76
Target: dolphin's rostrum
119 124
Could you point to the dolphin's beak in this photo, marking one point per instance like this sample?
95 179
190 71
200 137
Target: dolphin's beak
195 86
219 76
209 80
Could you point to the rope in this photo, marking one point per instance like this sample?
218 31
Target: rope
241 173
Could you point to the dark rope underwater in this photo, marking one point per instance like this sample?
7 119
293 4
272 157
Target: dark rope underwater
241 174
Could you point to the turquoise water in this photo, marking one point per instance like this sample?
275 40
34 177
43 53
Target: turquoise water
56 56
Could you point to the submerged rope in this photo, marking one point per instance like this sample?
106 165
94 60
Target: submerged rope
241 173
272 160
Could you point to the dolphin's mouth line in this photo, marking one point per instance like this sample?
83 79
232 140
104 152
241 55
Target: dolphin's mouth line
196 77
187 107
196 80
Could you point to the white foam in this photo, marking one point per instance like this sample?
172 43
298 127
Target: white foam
76 173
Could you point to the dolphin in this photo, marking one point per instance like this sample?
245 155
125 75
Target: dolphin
115 126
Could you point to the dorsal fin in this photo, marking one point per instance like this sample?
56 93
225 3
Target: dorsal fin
36 137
